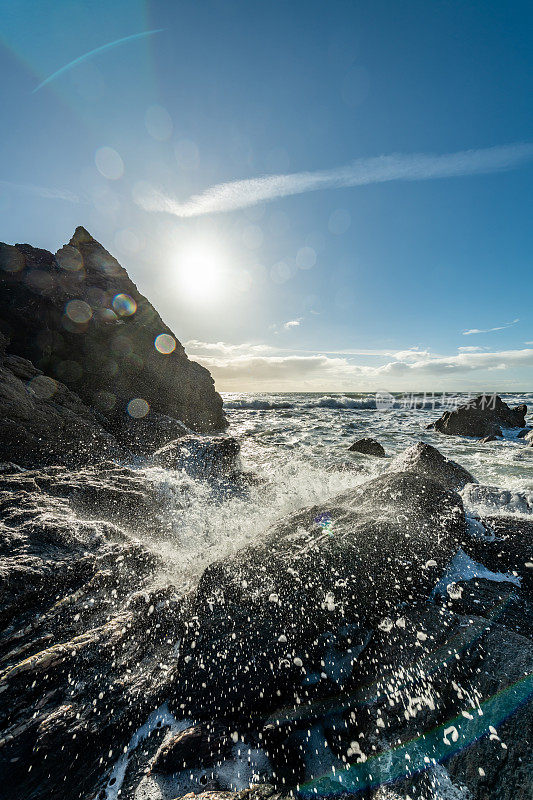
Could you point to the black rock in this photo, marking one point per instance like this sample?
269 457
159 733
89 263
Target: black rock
369 447
208 457
483 416
199 746
427 461
346 566
42 422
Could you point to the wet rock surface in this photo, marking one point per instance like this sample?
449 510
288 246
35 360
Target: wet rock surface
42 422
201 458
369 447
483 416
423 459
323 636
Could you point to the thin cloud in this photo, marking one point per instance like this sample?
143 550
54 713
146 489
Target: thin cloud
397 167
490 330
293 323
50 193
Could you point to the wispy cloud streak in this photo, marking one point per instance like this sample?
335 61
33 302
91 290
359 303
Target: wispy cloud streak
397 167
48 192
490 330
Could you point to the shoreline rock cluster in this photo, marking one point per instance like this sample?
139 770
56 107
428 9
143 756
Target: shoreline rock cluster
328 634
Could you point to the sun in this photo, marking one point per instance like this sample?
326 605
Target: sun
200 269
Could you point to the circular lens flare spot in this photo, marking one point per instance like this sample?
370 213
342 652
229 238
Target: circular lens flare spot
165 343
109 163
78 311
124 305
138 408
42 387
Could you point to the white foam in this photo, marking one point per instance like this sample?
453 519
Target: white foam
160 718
464 568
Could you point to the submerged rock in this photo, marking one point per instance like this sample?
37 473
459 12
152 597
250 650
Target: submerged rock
426 460
78 317
483 416
495 500
369 447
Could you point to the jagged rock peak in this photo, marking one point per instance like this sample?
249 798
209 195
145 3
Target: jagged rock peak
81 235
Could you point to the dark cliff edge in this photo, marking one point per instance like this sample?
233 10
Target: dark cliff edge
75 323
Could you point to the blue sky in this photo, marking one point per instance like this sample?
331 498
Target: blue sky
301 261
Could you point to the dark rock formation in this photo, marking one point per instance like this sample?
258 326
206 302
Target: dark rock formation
425 460
212 457
202 745
483 416
487 439
523 433
320 636
507 548
42 422
310 577
369 447
83 636
78 317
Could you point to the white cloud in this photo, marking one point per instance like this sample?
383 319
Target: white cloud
470 349
50 193
262 368
221 349
489 330
292 323
419 166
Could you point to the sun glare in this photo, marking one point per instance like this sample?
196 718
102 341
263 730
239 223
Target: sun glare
200 270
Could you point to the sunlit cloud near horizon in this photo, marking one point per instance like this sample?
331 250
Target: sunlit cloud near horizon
253 367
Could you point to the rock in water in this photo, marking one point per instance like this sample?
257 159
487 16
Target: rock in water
483 416
369 447
426 460
387 543
79 318
201 458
